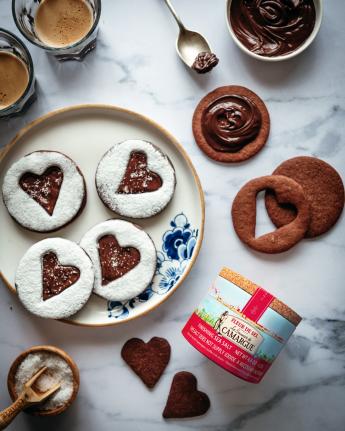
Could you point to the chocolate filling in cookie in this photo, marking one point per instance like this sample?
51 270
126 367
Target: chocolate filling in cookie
55 277
45 188
138 178
115 260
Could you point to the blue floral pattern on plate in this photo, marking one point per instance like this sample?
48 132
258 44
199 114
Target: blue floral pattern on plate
178 244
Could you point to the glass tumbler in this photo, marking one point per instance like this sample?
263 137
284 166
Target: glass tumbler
11 45
24 12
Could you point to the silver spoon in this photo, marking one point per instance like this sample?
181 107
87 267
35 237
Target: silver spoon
189 43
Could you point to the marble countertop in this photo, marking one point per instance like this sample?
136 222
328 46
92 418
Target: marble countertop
135 66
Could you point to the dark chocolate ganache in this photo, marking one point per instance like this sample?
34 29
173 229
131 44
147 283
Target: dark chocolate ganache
231 122
115 260
138 178
45 188
205 62
55 277
272 27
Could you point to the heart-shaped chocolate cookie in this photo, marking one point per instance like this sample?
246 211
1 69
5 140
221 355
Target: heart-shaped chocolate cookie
138 178
115 260
147 360
55 277
184 400
45 188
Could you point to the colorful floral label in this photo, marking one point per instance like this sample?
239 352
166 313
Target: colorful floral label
238 330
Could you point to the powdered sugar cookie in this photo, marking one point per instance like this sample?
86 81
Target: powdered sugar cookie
124 258
54 278
135 179
43 191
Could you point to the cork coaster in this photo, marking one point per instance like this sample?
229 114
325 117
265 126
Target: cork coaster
231 124
323 188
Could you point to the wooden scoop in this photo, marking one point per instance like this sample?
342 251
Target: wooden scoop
27 398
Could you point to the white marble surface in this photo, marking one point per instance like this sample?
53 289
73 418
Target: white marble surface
135 66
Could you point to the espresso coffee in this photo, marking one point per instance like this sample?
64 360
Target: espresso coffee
14 79
61 23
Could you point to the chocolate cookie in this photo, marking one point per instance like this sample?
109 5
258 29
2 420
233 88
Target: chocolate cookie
44 191
244 214
147 360
184 400
135 179
124 257
231 124
54 278
323 188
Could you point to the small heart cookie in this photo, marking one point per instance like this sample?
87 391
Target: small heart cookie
147 360
124 258
54 278
184 400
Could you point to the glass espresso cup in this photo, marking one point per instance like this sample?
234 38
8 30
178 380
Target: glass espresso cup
66 29
17 80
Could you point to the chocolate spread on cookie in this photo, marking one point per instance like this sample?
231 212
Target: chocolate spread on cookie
230 122
55 277
115 260
45 188
272 27
138 178
204 62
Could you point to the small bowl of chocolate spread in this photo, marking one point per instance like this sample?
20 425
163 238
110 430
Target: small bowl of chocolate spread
273 30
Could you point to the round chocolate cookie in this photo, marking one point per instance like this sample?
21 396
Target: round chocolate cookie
323 188
135 179
44 191
124 257
244 214
231 124
54 278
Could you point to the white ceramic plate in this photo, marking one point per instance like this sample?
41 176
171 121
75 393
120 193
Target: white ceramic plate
85 133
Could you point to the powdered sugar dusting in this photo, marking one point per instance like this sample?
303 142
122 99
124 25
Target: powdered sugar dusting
29 213
29 280
58 372
111 171
138 278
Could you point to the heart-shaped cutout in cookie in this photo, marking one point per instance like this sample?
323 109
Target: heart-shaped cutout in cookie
147 360
45 188
185 401
138 178
115 260
55 277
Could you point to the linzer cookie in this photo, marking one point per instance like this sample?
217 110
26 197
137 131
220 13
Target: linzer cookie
147 360
323 188
124 257
135 179
44 191
231 124
54 279
244 214
185 400
240 326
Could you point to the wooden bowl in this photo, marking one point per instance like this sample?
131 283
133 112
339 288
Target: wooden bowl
46 349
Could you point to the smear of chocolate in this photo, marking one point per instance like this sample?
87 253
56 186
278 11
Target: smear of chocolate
204 62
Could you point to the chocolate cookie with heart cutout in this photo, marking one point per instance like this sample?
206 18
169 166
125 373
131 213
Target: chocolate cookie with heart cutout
244 214
44 191
323 187
184 400
135 179
147 360
54 278
124 257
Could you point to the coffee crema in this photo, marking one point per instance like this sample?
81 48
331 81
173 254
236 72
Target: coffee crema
272 27
61 23
14 79
230 122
